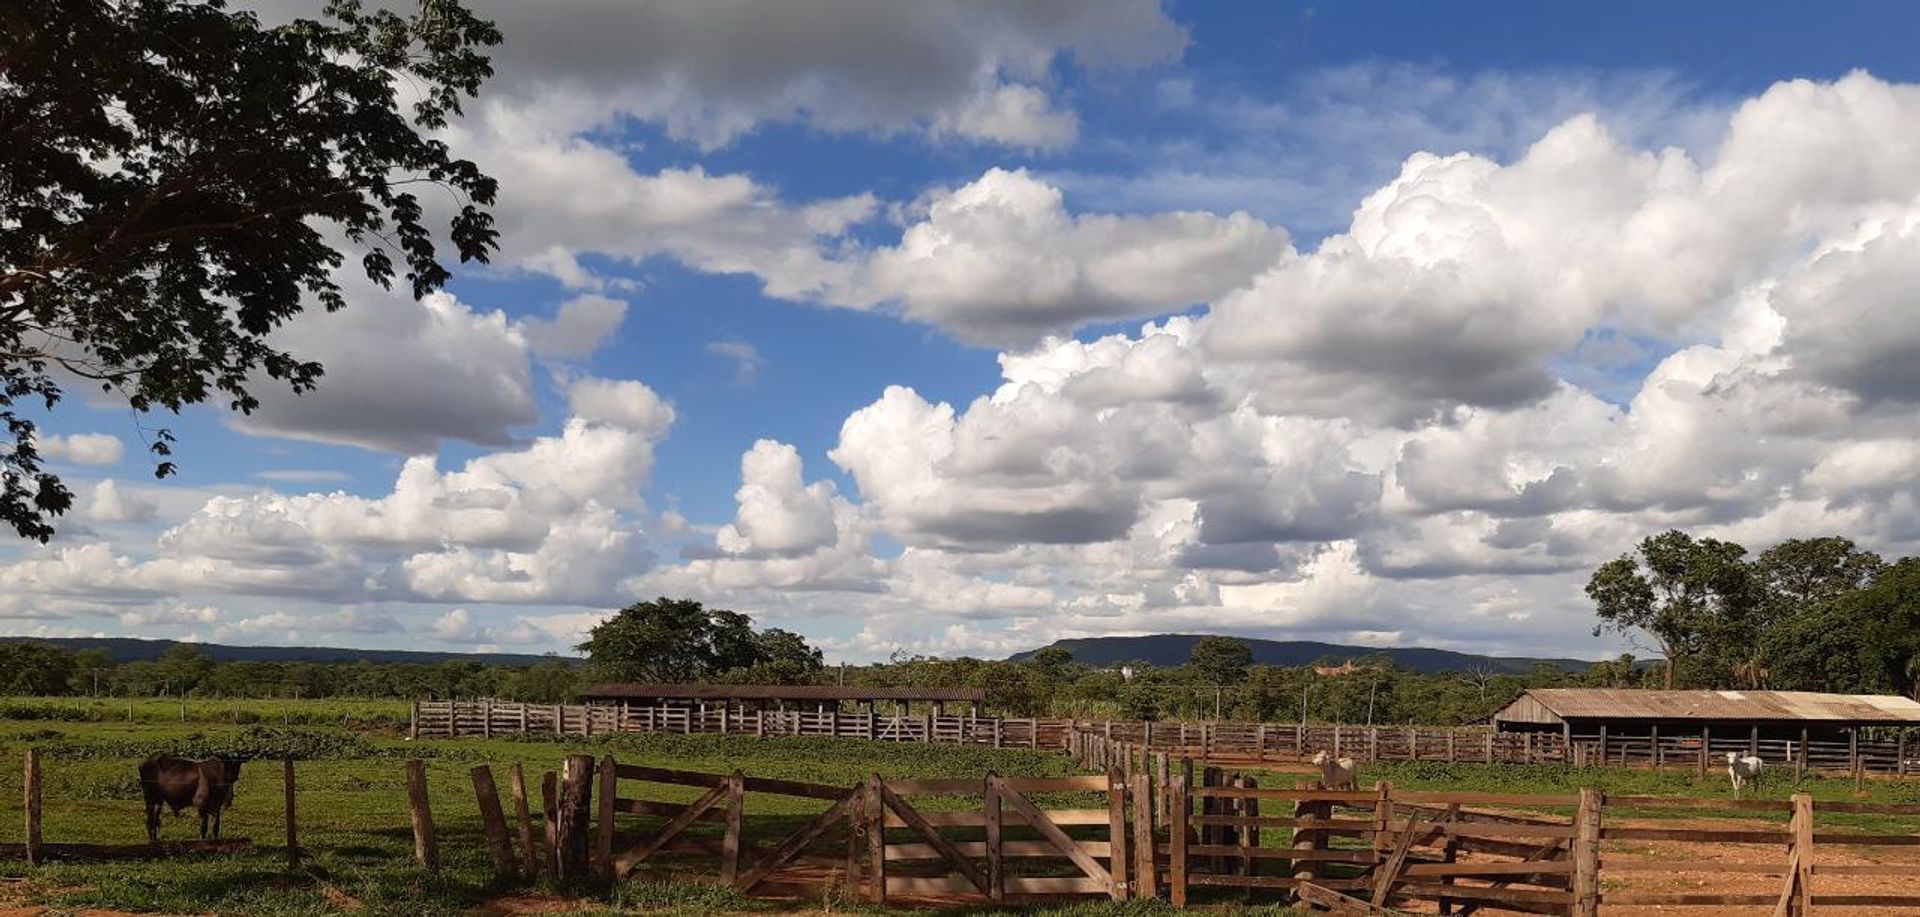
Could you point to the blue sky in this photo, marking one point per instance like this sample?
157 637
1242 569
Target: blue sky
955 328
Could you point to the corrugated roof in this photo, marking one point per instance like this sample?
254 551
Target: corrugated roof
783 692
1630 703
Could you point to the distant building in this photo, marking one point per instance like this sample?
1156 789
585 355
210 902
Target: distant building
1725 719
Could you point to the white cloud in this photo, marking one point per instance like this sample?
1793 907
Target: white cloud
746 359
107 502
83 448
779 513
288 627
580 326
461 626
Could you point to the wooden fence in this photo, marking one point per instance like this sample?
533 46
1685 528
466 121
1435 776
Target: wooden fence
1229 744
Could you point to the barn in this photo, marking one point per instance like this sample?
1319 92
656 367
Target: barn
1835 730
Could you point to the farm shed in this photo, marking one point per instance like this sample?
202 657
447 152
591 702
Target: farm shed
780 697
1778 725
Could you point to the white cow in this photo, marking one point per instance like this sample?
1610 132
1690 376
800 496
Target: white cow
1335 773
1743 769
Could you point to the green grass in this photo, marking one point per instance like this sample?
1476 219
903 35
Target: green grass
386 714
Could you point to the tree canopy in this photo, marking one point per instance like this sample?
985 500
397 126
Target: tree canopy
178 180
680 640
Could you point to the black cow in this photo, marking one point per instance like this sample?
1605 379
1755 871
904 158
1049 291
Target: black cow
178 783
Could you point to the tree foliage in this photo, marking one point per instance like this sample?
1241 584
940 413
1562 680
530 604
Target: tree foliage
1223 659
177 181
1693 597
680 640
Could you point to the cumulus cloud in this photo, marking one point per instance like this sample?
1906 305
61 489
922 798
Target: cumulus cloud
779 513
83 448
461 626
577 329
107 502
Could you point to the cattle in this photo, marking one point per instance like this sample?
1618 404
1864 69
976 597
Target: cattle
1742 770
1335 773
177 783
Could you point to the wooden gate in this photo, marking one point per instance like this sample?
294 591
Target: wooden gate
724 802
937 863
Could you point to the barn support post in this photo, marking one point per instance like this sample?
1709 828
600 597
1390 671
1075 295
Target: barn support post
1653 744
293 829
1853 755
1603 744
1706 743
32 786
1753 741
1800 760
426 848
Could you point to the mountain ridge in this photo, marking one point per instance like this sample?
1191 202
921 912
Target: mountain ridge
1173 649
141 649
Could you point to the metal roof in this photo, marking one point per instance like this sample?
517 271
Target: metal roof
1796 706
783 692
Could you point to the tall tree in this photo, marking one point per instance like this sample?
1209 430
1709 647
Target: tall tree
1693 597
680 640
1222 660
177 181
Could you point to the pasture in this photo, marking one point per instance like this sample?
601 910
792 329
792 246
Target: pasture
358 843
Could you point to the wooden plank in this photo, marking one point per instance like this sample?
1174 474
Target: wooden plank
1433 829
1709 835
795 843
978 819
1490 799
426 848
797 788
664 775
1354 797
1010 849
1866 840
914 820
1285 853
493 821
1096 784
639 853
1456 870
1388 874
1320 896
1685 899
876 835
518 779
661 809
1611 864
1051 832
1870 808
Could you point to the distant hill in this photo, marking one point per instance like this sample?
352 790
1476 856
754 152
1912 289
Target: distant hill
1173 649
131 649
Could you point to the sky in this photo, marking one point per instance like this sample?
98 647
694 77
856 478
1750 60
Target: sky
959 327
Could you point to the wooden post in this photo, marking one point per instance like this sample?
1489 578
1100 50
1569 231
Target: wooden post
573 819
527 849
486 718
1753 741
1706 743
293 829
549 816
1586 854
1802 853
603 834
1853 753
1117 834
1306 839
32 802
1800 760
1654 741
996 864
413 721
876 842
1143 852
494 821
426 850
736 813
1603 745
1177 840
1382 815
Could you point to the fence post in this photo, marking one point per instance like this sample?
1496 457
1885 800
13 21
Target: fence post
549 816
426 850
575 815
730 842
1177 840
1143 846
413 722
1586 854
1802 854
293 830
1706 742
1305 839
493 821
996 863
876 841
532 853
32 781
603 833
1117 835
